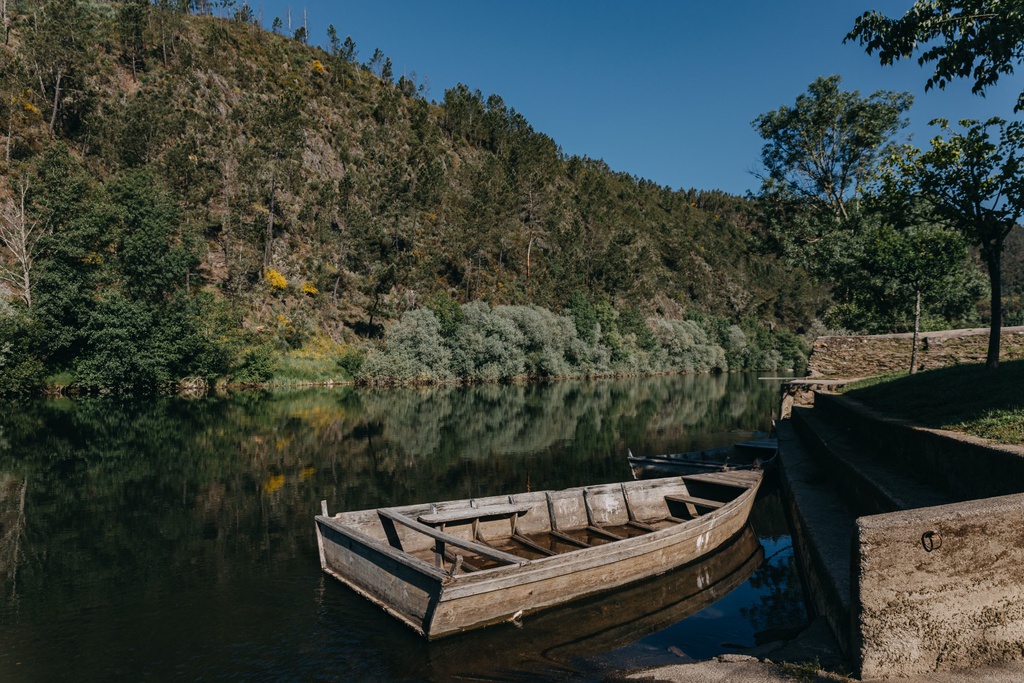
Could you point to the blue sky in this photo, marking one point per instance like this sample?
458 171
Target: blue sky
662 90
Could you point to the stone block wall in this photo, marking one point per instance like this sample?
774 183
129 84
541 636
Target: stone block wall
869 355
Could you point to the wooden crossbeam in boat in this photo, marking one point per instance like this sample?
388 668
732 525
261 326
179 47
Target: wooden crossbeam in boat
640 525
569 539
693 500
478 548
464 566
523 540
594 529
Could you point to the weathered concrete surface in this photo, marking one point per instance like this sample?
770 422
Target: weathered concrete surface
716 671
867 478
957 604
823 533
799 393
940 587
869 355
768 672
963 466
811 656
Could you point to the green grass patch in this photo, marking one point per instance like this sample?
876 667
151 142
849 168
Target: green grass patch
295 367
60 380
965 398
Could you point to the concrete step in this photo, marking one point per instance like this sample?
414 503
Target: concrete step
868 482
823 532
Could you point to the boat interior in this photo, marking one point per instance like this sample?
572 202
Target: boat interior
466 536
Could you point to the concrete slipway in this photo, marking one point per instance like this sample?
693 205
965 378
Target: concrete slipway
912 545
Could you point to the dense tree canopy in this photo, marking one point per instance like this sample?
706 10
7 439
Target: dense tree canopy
213 195
974 179
825 148
826 158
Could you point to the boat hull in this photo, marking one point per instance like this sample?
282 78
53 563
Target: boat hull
591 627
752 455
438 603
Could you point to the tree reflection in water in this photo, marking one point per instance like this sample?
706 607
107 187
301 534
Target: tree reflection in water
141 537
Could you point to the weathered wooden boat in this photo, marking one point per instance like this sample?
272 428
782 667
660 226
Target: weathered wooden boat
757 454
448 567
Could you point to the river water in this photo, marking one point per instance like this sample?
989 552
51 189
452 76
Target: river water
173 539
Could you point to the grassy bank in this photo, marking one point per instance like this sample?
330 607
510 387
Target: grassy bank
966 398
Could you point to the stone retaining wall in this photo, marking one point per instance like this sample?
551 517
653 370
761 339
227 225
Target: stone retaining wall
869 355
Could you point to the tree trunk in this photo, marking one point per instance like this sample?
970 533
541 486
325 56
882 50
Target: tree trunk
56 101
529 248
270 222
19 531
917 333
20 239
994 261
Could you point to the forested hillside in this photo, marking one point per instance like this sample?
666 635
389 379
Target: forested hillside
193 196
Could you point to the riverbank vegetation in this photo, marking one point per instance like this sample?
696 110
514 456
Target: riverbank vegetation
475 342
188 199
962 398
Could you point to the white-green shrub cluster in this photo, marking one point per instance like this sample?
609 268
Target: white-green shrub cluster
686 346
528 342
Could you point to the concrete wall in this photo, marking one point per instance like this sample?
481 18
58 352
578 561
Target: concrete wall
953 601
959 465
866 356
931 588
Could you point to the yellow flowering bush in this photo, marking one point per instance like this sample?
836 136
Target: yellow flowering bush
309 288
276 280
318 67
273 483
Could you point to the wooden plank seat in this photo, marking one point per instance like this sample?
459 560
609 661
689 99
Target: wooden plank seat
466 514
446 538
739 479
693 500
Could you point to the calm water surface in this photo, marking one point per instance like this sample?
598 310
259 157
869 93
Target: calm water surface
172 539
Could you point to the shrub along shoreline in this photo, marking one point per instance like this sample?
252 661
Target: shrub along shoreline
474 342
448 343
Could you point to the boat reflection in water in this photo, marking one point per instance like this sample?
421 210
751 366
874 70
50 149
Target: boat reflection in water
593 627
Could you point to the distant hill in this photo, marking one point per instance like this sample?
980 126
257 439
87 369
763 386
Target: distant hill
303 193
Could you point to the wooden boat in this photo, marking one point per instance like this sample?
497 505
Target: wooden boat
757 454
448 567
